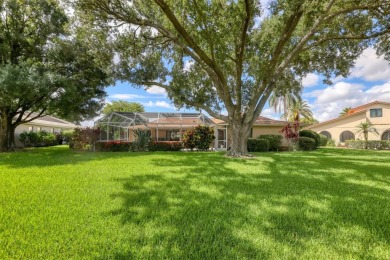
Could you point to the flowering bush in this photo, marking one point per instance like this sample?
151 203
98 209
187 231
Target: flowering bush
199 137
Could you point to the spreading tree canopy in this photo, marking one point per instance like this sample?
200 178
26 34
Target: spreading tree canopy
227 57
44 69
123 106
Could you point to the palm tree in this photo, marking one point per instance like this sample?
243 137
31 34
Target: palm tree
298 110
281 100
345 111
365 128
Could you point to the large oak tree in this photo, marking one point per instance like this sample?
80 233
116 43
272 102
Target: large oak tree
231 55
44 69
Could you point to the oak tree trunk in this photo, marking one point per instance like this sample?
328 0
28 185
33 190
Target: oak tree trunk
239 133
7 134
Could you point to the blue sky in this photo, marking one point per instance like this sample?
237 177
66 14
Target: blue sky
368 81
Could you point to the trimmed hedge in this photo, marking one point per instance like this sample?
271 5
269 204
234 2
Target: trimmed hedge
323 140
165 146
311 134
258 145
38 139
306 143
274 141
373 145
114 146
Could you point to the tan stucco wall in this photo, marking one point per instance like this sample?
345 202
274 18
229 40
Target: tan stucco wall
350 123
268 130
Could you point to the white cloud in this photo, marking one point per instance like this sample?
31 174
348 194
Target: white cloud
188 64
329 102
310 80
162 104
125 96
156 90
370 67
270 113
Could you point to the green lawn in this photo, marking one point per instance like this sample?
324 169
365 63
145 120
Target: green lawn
328 204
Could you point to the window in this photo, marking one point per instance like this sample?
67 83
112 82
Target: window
38 129
173 135
30 128
346 135
386 135
376 112
327 134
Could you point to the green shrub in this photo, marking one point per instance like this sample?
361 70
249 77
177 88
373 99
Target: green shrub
114 146
67 135
311 134
306 143
142 138
323 140
274 141
331 143
258 145
84 138
37 139
373 144
199 137
165 146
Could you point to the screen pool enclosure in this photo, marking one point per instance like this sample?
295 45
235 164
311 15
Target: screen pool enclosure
120 126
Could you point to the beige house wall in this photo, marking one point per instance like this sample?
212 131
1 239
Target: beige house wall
268 130
350 123
37 127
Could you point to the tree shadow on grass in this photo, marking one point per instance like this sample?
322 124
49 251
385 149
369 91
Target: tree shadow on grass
271 207
57 155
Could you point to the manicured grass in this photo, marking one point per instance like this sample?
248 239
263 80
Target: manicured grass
328 204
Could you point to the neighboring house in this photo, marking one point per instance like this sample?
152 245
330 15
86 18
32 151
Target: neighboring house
171 126
345 127
49 124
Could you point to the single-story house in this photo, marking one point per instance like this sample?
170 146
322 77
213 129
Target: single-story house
171 126
49 124
346 127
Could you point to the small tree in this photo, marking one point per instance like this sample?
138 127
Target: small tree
291 133
365 128
123 106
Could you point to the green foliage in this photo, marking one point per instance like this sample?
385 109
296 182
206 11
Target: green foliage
114 146
345 111
200 138
331 143
123 106
224 55
274 141
84 138
361 144
306 143
45 69
323 140
67 135
311 134
258 145
142 138
165 146
38 139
